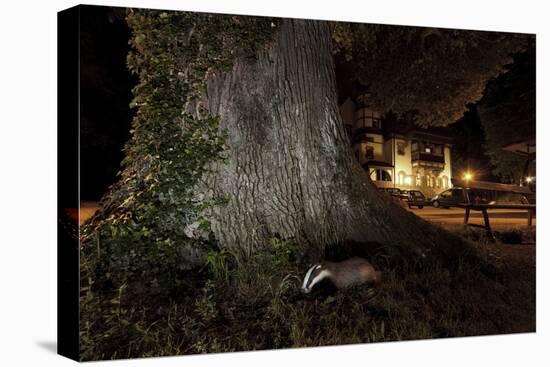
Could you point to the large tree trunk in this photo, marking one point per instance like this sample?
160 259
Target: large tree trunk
290 169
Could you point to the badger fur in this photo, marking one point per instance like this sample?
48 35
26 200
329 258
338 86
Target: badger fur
342 274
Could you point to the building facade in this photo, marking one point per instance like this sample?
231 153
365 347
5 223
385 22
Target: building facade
398 154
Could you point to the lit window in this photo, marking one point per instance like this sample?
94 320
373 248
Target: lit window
430 181
370 153
380 175
401 178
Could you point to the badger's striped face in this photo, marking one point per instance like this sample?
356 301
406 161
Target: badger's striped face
313 276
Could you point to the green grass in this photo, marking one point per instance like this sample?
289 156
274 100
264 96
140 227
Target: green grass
257 305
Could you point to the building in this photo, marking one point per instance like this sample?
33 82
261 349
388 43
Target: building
398 154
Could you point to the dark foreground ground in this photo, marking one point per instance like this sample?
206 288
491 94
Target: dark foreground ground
249 308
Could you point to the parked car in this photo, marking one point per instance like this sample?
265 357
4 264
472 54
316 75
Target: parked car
448 198
393 191
455 196
458 195
411 197
400 194
414 198
390 190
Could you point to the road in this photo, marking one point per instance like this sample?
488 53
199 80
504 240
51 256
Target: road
497 217
87 209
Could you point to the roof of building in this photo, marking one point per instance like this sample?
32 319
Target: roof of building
411 131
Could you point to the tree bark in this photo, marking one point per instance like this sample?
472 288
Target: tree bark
290 170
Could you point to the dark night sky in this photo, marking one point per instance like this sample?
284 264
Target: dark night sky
106 86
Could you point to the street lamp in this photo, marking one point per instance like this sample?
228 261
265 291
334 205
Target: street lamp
407 180
468 176
529 179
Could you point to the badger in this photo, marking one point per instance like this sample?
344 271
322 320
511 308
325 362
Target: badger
342 274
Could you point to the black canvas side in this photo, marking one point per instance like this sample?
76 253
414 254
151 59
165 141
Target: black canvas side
68 182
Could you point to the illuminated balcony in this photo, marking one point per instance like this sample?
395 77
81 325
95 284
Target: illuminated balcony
427 157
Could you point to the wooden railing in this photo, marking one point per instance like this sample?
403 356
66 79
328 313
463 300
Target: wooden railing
427 157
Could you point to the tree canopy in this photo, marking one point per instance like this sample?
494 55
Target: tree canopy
507 112
469 153
434 71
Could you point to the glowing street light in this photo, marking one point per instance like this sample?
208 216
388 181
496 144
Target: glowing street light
408 180
468 176
529 179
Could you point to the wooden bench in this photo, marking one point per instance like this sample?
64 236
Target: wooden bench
484 208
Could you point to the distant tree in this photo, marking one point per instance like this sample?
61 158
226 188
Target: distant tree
468 151
507 113
104 97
